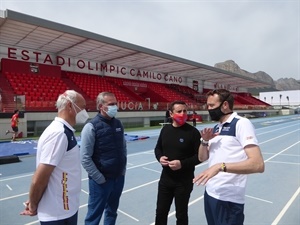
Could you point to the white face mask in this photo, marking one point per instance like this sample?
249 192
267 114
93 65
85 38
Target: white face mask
112 110
81 116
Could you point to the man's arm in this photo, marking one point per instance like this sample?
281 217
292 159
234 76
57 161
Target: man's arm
206 134
163 160
38 186
253 164
86 153
194 159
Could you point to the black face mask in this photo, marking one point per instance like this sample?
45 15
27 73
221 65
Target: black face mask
216 114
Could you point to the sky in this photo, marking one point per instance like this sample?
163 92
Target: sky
259 35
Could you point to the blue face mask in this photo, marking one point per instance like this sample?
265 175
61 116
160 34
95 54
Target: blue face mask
112 110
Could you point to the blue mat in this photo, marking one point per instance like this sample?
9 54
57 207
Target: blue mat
28 147
24 147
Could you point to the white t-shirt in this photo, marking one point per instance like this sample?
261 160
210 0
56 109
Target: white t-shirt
236 133
57 146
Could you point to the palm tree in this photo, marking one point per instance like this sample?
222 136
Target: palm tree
271 100
280 96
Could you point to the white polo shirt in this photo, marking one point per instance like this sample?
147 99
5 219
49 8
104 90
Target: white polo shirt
236 133
57 146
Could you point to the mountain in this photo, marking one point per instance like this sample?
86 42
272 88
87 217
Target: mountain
282 84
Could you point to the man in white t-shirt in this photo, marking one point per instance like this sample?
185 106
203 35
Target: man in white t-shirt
56 184
232 151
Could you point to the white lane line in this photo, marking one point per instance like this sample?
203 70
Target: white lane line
271 139
85 192
282 151
9 187
271 131
141 153
285 208
15 196
33 222
260 199
131 189
140 186
126 214
141 165
156 171
288 163
17 177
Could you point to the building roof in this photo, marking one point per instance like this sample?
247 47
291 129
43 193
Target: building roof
23 31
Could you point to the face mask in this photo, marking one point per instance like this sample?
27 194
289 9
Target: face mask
81 116
112 110
216 114
180 119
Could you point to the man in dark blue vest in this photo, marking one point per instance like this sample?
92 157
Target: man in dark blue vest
103 156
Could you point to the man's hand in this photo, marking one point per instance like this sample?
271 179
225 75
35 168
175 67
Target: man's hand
175 165
29 210
164 161
203 177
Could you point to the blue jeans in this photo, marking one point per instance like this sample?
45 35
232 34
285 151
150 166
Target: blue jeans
219 212
102 197
68 221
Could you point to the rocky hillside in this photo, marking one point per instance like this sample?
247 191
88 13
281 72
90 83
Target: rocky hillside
282 84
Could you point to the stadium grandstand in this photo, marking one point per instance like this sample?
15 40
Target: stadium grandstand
41 59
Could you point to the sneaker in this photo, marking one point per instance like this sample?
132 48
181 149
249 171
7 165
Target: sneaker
6 132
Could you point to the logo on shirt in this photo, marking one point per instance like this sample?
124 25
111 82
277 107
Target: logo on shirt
118 129
225 129
65 190
181 140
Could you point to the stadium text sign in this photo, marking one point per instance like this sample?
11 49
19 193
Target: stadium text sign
91 67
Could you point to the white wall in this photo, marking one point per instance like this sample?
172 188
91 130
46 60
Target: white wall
273 98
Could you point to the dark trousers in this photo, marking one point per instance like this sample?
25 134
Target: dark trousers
219 212
180 191
68 221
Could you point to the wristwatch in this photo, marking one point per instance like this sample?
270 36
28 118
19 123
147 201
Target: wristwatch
223 167
204 142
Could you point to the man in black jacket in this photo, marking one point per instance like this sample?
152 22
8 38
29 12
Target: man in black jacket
177 152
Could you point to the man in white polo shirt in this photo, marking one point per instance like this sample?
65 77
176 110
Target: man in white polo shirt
232 151
56 184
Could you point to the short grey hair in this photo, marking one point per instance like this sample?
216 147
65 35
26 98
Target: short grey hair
63 99
100 98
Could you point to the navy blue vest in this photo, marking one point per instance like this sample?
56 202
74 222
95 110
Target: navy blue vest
110 147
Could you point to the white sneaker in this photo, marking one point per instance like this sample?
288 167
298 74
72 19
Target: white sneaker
6 132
